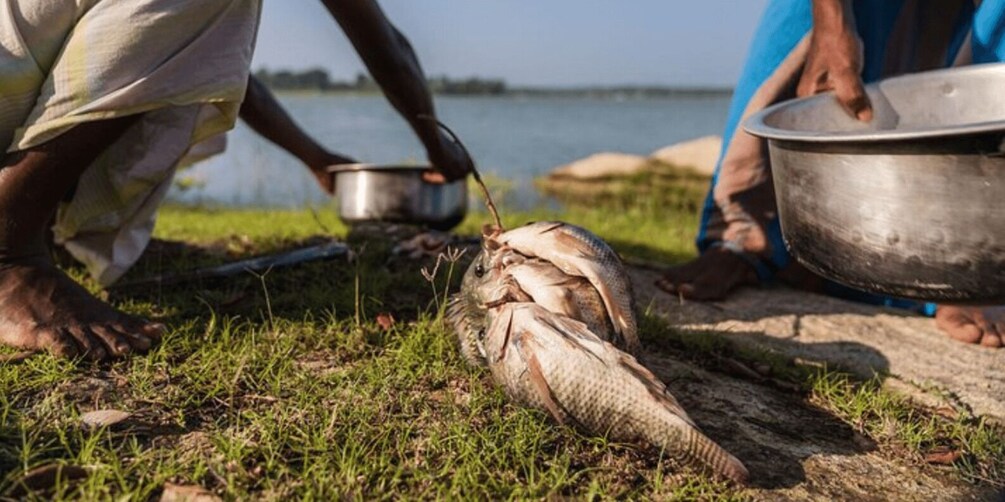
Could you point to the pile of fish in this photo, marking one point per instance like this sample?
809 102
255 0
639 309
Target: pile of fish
548 308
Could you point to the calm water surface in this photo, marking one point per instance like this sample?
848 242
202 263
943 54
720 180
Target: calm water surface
511 138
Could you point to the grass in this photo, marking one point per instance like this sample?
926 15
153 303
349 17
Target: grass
976 445
287 386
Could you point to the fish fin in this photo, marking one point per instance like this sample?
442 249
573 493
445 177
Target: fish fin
548 226
540 384
508 292
506 338
623 320
579 250
570 331
657 389
575 246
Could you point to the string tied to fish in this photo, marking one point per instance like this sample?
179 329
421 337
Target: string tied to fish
489 203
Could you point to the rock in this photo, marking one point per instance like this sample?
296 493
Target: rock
187 493
700 154
601 165
103 418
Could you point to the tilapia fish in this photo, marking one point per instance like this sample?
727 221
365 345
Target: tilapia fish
587 269
529 280
546 308
555 363
579 253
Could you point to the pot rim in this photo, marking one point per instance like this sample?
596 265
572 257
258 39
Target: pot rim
364 166
757 125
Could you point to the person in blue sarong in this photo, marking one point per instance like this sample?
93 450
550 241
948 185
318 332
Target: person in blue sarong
805 47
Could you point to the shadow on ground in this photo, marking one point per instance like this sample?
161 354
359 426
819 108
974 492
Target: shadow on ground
793 449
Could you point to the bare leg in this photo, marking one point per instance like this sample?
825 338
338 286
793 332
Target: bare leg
978 325
40 307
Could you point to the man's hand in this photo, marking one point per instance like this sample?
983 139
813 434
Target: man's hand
834 62
450 159
319 168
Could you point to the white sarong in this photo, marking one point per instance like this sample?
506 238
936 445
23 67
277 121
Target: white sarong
182 64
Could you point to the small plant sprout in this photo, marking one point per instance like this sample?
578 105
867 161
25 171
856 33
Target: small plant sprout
451 256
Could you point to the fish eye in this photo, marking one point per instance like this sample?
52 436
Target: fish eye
479 270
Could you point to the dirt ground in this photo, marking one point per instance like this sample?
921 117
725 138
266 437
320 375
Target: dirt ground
794 450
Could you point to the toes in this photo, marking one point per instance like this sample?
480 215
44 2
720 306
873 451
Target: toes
154 330
136 326
708 290
958 324
117 343
90 346
667 285
680 274
677 280
58 344
993 338
137 341
966 333
703 289
64 348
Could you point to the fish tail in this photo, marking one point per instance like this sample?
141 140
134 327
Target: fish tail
697 446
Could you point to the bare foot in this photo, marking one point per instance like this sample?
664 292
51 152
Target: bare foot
43 309
977 325
711 276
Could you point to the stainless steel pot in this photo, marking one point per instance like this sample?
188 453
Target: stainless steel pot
397 194
911 204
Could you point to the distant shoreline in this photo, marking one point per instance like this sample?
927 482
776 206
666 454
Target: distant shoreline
317 81
627 93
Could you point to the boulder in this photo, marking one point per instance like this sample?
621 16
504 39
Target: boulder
601 165
700 154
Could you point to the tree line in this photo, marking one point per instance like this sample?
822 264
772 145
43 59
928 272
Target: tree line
317 79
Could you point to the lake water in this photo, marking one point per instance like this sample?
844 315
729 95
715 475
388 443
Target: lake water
511 138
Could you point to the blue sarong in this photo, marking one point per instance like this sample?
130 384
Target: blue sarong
898 36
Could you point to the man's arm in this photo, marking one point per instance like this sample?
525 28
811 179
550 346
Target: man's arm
834 62
266 116
392 63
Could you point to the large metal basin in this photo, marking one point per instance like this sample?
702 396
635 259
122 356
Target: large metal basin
911 204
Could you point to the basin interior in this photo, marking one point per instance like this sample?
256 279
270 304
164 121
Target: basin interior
937 103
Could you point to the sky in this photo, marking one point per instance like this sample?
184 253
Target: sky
533 42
